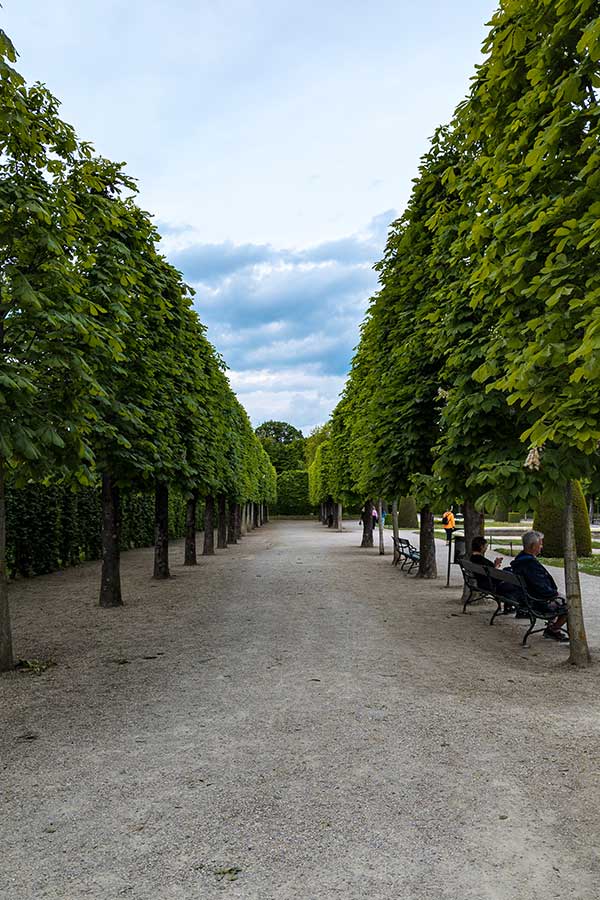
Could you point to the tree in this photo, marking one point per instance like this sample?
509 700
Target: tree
284 443
318 435
50 338
533 113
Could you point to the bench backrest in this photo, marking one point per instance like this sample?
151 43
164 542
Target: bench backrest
478 575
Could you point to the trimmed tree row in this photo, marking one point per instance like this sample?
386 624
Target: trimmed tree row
105 370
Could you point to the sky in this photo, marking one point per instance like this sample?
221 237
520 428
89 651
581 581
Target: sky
274 143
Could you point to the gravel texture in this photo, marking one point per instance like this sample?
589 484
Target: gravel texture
292 718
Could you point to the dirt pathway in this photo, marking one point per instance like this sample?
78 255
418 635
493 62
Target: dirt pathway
298 710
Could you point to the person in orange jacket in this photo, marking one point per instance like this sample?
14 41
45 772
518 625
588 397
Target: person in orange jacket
449 523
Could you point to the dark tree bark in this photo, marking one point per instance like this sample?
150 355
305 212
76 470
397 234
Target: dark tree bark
266 512
209 526
395 529
474 524
367 538
579 651
6 650
161 531
222 524
329 512
231 526
427 563
336 521
238 521
190 558
110 579
255 515
380 526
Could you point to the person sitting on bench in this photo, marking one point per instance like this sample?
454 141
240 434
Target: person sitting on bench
540 584
478 547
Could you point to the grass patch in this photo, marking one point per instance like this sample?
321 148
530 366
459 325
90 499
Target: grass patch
590 565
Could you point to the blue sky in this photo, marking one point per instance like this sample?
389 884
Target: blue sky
274 142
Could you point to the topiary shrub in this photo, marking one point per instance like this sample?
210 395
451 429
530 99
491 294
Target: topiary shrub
407 513
514 517
501 513
549 520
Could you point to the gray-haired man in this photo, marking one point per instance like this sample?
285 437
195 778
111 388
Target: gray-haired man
540 584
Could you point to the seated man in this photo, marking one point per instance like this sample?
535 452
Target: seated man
478 548
540 584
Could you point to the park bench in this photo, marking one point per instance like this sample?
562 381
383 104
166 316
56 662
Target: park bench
486 582
404 550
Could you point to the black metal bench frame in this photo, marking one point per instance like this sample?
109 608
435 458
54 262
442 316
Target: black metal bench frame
404 550
485 581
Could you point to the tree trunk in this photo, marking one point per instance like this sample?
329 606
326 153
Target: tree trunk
255 515
209 526
380 525
591 510
395 530
367 538
6 650
336 511
427 563
340 517
222 525
161 531
110 579
579 651
474 524
231 529
266 512
190 531
238 521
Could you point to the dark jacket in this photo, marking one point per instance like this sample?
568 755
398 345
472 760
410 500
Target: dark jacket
480 559
538 580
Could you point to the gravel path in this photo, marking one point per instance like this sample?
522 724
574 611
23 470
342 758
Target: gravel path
294 718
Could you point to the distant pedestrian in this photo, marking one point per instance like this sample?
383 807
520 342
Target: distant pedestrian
449 523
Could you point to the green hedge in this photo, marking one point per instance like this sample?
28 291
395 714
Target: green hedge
515 517
549 520
292 493
51 527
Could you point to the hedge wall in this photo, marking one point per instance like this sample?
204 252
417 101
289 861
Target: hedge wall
292 493
49 528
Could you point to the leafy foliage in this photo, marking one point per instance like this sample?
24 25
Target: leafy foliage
292 493
284 444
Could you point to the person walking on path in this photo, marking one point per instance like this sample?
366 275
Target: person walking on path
449 523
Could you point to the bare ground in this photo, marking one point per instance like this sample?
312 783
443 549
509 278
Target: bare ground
296 709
